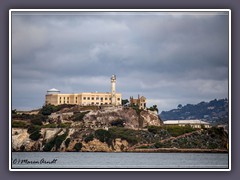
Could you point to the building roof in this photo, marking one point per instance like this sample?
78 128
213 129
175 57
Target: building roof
194 121
53 90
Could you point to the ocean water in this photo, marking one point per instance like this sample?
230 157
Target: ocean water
83 160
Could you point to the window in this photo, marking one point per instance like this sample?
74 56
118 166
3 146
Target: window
101 99
60 102
76 101
67 101
92 98
97 98
84 98
60 97
64 98
105 98
110 98
97 103
88 98
67 97
118 99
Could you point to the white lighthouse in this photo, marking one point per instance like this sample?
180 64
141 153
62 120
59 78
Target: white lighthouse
113 82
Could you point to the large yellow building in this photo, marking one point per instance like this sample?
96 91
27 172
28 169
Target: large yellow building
54 97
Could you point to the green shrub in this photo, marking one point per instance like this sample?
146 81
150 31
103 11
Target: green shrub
60 139
175 130
89 138
36 122
158 145
78 146
79 116
154 129
48 146
33 128
127 134
19 124
50 126
35 135
57 141
103 136
65 125
67 141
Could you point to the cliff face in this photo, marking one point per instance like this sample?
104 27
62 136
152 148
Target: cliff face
80 135
131 119
22 142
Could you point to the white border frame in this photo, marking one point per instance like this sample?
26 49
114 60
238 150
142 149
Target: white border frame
116 10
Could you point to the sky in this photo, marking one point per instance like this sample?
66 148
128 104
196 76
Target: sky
170 58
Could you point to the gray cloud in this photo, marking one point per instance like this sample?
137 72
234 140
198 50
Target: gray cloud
170 58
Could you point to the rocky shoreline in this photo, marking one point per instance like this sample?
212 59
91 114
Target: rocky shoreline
176 150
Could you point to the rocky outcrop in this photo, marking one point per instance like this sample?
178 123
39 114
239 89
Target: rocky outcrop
22 142
96 146
150 118
132 120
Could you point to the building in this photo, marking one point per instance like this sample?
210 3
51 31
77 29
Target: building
193 123
113 98
140 102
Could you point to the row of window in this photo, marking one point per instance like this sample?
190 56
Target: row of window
87 98
92 103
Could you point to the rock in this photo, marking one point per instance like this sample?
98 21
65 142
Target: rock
95 146
103 118
20 138
150 118
120 145
50 133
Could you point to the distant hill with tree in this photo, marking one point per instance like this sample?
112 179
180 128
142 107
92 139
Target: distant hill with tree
215 112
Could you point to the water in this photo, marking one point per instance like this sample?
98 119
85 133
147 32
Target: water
119 160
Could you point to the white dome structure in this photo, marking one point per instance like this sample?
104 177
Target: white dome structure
53 91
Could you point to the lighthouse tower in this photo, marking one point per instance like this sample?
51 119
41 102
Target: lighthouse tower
113 94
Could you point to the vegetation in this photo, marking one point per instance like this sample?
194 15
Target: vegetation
49 108
127 134
103 136
60 139
35 135
57 141
154 129
124 101
19 124
118 123
215 111
89 138
67 141
176 130
78 146
34 131
79 116
153 108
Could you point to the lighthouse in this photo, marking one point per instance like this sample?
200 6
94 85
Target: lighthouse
113 94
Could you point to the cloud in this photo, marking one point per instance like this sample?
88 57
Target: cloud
170 58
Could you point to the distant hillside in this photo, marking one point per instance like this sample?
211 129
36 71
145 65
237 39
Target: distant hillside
215 111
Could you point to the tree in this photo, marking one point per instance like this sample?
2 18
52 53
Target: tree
179 106
124 101
153 108
47 109
78 146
